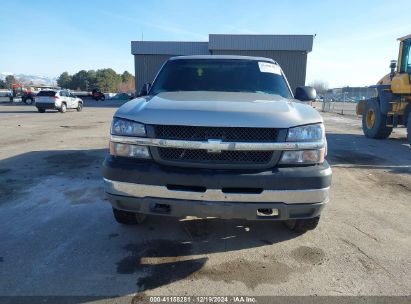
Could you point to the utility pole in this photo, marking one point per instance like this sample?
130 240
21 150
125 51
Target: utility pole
342 110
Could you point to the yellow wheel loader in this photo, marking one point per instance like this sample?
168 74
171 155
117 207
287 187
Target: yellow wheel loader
391 107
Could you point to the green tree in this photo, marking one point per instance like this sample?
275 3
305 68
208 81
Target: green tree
126 76
80 81
65 80
3 84
10 80
92 80
107 80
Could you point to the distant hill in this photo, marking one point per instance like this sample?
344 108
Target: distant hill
30 79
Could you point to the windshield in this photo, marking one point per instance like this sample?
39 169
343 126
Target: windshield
222 75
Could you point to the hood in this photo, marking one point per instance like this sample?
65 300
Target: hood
219 109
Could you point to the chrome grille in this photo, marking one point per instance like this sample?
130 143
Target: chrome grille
222 159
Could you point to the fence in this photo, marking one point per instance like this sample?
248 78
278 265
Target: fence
344 101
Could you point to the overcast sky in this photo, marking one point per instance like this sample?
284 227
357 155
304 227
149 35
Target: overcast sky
354 44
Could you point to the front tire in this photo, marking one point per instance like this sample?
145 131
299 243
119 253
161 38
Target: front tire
373 121
79 107
103 97
302 225
28 101
128 218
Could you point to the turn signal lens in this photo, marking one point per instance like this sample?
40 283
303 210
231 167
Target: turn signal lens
303 157
126 150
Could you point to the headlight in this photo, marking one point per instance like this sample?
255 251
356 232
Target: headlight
306 133
313 132
127 150
124 127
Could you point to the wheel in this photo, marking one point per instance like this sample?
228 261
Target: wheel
28 101
128 218
63 108
373 121
303 225
79 107
409 128
103 97
41 110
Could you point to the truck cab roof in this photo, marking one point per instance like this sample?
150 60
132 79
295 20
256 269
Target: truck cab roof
221 57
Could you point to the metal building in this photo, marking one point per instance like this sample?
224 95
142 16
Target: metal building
290 51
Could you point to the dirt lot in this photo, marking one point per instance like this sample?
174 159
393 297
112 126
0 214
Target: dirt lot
58 236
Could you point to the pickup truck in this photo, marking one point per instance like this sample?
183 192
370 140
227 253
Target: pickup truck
219 136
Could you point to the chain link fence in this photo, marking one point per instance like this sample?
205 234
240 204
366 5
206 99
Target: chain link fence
344 100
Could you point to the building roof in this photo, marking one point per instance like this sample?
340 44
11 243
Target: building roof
225 42
169 48
261 42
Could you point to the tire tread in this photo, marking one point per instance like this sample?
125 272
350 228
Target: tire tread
380 130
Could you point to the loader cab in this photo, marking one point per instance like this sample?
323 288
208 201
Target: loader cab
401 81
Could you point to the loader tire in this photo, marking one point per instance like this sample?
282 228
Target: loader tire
373 121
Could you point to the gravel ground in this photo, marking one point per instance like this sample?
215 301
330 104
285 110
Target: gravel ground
58 236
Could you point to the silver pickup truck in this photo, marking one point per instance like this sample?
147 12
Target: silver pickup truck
219 136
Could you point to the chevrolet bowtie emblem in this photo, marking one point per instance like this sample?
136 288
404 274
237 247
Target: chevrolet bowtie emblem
214 145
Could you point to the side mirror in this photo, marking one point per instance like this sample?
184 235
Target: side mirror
145 89
305 93
393 65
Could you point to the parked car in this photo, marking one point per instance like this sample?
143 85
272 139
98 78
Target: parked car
60 100
97 95
219 136
28 97
319 99
121 96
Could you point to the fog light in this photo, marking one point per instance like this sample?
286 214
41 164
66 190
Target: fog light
127 150
303 157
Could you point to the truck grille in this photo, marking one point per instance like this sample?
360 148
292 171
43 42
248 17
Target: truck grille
223 133
225 157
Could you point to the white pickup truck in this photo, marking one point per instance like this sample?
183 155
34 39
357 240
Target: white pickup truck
219 136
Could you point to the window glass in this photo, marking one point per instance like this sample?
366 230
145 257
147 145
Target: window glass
406 58
47 93
222 75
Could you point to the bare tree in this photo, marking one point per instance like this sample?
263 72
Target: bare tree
320 86
10 79
128 86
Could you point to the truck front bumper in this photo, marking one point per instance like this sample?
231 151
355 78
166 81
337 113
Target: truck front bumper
278 194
